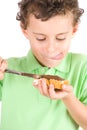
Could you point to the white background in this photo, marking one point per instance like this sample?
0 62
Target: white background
12 41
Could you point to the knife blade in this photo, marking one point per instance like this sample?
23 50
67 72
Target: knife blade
36 76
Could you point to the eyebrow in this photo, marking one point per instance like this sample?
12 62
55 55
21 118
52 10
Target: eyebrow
38 33
45 35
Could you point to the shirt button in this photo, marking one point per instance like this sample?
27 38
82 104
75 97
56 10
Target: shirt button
42 70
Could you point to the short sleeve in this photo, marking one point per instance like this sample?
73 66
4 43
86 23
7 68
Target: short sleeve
83 97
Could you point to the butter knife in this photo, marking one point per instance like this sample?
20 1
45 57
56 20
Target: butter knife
36 76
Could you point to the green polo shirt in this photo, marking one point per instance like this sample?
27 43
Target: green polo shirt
24 108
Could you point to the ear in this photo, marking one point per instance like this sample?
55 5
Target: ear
75 29
24 31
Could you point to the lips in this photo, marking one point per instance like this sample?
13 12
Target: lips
57 57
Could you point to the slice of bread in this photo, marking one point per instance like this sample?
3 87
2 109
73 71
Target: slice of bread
57 83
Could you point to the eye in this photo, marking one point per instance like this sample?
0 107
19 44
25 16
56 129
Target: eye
60 39
41 39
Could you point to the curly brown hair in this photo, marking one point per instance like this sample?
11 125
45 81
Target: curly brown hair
45 9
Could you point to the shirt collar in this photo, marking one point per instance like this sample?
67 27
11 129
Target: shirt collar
33 64
65 64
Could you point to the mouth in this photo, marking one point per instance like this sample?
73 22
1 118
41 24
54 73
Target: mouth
59 56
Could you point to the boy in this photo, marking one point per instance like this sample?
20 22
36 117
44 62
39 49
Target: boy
49 25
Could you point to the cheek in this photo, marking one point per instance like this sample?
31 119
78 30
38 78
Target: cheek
66 46
36 49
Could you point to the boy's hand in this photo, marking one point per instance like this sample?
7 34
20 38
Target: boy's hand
3 66
50 92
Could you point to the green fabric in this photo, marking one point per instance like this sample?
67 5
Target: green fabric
24 108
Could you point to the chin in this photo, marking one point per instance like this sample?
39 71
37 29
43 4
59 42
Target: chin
51 65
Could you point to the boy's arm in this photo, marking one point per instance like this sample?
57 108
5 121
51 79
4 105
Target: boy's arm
77 110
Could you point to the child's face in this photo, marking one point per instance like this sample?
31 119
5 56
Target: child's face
50 40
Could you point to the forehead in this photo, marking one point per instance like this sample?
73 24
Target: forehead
63 22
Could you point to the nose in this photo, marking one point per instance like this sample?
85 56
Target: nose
51 46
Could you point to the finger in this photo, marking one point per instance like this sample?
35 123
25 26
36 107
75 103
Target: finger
56 94
67 88
37 83
3 64
45 88
40 86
